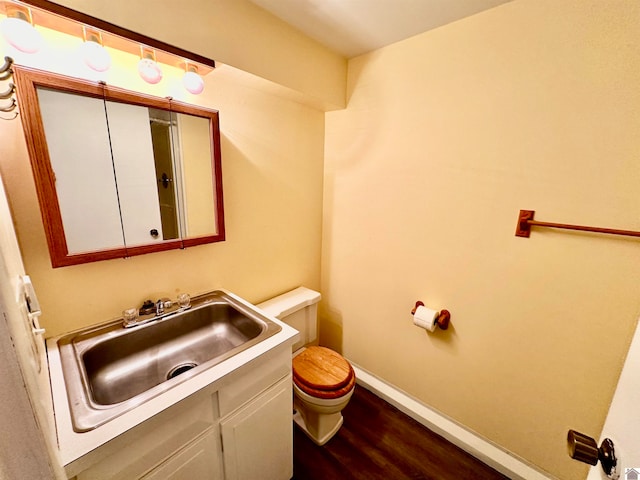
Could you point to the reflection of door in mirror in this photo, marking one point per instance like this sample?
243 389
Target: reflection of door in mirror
165 178
133 163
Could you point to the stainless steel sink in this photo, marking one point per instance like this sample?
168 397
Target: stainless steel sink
108 369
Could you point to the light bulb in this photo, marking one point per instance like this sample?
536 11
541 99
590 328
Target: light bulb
18 30
93 52
148 68
95 56
149 71
192 81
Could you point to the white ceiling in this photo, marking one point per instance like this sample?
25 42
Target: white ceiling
354 27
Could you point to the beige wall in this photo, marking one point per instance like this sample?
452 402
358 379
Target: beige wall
272 158
235 32
446 136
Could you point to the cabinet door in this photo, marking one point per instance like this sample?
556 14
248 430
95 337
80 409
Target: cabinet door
198 461
257 439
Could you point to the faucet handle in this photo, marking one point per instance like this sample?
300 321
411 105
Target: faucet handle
184 300
130 316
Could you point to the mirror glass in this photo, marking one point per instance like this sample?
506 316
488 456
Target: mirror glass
119 173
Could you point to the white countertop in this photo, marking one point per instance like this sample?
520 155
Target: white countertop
73 445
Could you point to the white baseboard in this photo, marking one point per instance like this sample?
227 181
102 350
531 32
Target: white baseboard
481 448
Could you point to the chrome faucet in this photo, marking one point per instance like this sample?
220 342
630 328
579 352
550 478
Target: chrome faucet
160 306
153 311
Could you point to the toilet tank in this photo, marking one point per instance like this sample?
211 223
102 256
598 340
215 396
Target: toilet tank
298 309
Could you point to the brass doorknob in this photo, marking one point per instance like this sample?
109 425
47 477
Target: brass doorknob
585 449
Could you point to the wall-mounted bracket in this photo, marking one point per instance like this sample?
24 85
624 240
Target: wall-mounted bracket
523 228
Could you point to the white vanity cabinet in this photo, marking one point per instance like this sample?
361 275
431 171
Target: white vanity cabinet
239 427
160 444
197 460
257 438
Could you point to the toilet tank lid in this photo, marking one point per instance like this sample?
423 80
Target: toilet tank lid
289 302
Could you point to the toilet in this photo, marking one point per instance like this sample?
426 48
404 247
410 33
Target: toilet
323 380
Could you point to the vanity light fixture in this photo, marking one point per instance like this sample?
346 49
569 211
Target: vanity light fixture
192 80
148 68
18 29
92 50
154 55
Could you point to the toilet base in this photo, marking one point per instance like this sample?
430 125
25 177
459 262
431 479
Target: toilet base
330 427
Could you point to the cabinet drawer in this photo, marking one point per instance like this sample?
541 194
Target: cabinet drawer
253 378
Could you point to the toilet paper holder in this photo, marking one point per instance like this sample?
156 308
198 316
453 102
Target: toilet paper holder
443 317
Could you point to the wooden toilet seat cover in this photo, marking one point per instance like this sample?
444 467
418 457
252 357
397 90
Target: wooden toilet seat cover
323 373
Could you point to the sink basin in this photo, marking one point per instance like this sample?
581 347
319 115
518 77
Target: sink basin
110 369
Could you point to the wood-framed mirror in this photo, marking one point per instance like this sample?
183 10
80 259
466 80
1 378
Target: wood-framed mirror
119 173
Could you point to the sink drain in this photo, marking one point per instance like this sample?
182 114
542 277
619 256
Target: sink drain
184 367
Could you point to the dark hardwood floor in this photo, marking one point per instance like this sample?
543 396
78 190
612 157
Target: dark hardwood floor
377 441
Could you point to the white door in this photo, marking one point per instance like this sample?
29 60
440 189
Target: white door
261 431
27 442
622 425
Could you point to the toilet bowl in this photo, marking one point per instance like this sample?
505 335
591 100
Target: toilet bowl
323 380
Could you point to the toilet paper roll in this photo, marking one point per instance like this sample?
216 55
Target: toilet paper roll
425 318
